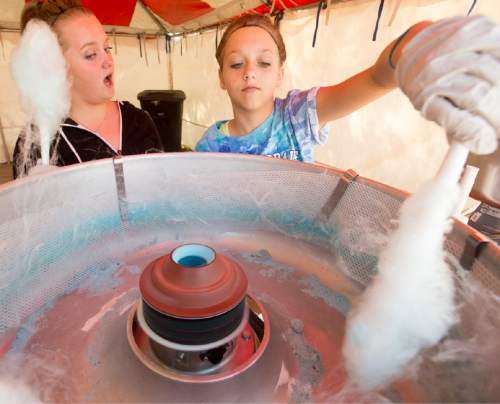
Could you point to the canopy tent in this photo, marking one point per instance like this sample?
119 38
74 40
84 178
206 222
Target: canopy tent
189 15
181 16
387 140
172 16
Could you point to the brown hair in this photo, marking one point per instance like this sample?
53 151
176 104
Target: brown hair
51 11
252 20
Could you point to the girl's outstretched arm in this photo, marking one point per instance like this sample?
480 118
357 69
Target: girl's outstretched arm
341 99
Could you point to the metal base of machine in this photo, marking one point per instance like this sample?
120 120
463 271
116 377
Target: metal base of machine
226 360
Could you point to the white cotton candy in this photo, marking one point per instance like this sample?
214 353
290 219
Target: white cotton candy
39 70
14 391
410 303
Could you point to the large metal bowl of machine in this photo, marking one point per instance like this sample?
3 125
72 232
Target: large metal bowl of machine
216 278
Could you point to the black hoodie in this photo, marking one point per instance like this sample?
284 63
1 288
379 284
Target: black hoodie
74 143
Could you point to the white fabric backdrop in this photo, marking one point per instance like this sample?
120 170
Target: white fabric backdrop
387 141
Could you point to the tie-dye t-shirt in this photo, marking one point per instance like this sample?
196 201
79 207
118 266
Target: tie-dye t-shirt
289 132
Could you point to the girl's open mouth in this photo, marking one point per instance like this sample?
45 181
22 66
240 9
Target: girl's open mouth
108 80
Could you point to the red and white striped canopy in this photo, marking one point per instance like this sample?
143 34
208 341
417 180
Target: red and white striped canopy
181 12
172 16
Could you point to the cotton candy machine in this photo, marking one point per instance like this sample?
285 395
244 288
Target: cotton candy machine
213 278
194 321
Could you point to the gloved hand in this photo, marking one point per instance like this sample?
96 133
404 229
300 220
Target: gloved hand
451 73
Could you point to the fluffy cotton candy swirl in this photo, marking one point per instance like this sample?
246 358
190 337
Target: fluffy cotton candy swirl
410 303
39 70
15 391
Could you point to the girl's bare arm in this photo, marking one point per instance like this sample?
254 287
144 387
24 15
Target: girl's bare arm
341 99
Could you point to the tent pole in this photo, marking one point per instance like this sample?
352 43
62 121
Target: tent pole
154 17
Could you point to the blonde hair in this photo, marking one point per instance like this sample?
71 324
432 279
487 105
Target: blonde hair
252 20
51 11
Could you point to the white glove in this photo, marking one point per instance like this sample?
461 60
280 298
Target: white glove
451 73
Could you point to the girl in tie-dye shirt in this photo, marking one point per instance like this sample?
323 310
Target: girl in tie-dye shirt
251 56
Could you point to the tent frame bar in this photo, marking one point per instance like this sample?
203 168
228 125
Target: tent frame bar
206 22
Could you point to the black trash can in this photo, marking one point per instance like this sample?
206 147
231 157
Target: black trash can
165 107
